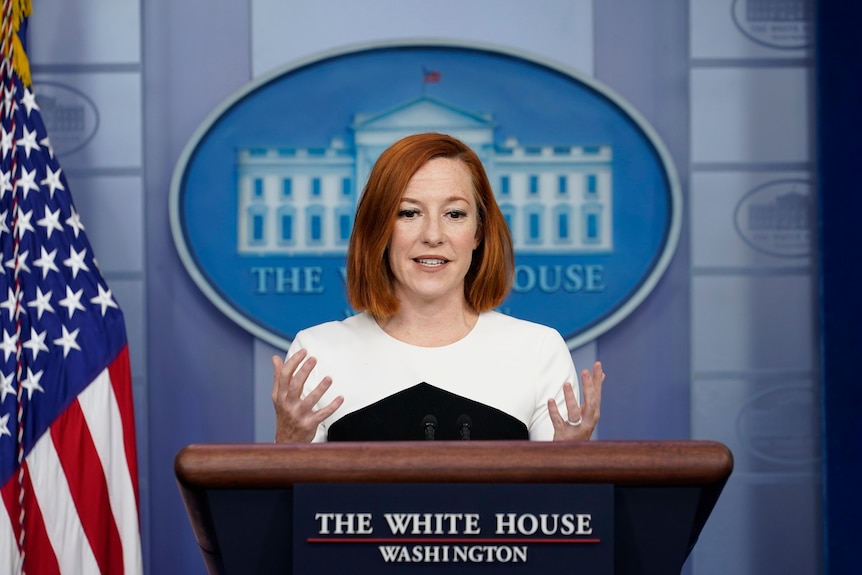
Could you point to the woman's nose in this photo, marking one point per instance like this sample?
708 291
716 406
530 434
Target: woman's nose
432 231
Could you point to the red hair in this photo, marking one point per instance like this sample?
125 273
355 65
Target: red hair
369 278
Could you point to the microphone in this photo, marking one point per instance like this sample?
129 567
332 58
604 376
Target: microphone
464 425
429 423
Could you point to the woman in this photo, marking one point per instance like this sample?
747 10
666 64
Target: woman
429 259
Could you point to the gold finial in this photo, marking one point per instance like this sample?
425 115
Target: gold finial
14 12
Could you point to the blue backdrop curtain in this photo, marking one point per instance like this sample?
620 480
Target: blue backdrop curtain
839 121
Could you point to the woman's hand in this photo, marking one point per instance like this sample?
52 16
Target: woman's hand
295 417
581 419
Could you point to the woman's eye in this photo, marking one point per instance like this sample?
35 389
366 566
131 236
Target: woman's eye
457 214
410 213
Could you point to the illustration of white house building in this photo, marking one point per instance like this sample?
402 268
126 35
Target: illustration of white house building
301 200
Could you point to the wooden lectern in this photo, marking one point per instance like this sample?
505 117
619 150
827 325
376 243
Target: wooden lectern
239 496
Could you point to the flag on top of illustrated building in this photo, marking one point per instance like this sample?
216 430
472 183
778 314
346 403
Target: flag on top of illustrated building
68 464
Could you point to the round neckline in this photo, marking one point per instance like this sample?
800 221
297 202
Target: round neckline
387 335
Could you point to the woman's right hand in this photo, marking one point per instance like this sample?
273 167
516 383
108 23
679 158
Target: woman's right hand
295 417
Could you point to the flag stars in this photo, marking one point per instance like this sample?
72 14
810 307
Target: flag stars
28 141
50 222
72 301
23 225
11 304
10 104
4 425
9 344
69 341
74 222
36 343
4 229
42 303
46 144
19 264
52 180
6 139
46 262
27 181
104 299
31 383
29 100
5 184
76 262
6 387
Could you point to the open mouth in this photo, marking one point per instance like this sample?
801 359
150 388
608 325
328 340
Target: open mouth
430 262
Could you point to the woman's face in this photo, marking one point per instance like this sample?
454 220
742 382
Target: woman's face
435 233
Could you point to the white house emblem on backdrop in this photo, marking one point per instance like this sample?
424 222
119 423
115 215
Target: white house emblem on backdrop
70 116
264 195
777 218
782 24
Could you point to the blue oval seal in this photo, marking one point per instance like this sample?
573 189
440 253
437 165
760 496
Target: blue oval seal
263 196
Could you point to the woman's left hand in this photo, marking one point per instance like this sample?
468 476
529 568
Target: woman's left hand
580 420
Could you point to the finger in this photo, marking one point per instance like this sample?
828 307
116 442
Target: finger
312 397
324 412
598 372
594 379
563 431
554 413
283 370
572 407
598 376
277 363
294 360
297 379
595 389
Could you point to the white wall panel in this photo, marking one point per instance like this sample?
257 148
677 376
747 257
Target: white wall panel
763 526
85 32
759 322
283 32
750 115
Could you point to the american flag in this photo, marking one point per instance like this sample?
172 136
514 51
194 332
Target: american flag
431 76
68 463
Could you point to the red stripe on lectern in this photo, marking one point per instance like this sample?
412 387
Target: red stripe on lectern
453 541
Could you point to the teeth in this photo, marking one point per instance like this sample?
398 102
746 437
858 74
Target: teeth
431 262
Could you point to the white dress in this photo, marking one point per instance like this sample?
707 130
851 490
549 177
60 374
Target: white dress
510 364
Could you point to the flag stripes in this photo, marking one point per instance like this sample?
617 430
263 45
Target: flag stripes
82 512
88 488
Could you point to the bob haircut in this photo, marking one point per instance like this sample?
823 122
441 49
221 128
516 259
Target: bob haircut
369 277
